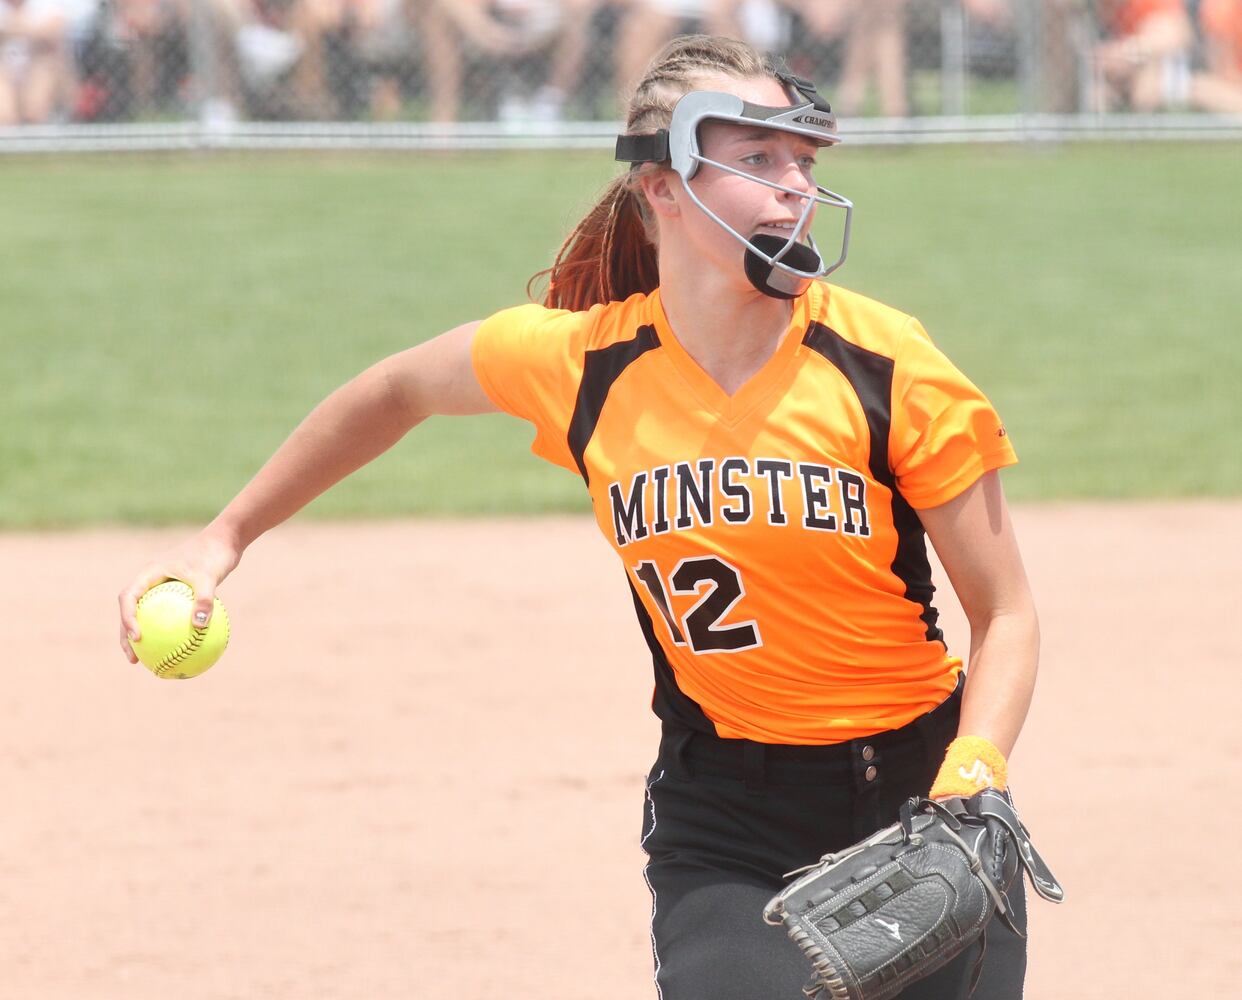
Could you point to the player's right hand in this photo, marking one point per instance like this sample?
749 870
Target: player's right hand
202 562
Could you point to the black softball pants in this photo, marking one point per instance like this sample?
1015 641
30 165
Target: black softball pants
725 819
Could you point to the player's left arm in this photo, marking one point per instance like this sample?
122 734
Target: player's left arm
974 538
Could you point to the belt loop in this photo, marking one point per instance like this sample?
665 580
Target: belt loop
939 726
754 766
937 729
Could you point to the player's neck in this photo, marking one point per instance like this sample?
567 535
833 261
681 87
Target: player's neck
729 331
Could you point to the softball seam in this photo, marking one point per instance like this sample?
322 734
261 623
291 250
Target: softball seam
182 652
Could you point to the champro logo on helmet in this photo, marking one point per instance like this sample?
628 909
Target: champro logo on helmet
780 268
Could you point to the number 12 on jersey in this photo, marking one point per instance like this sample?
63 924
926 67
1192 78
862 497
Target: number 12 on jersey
719 587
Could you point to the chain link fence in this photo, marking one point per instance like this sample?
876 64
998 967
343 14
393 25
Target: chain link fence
455 72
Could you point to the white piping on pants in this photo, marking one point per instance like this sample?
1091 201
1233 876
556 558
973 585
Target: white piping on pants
655 951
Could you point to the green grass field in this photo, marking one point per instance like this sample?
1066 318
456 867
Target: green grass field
167 321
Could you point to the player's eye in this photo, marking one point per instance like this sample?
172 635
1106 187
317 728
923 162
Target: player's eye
755 159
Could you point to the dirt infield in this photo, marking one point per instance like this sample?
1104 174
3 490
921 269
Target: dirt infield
417 773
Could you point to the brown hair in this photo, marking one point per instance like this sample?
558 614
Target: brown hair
611 253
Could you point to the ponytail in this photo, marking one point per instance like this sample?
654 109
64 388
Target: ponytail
608 256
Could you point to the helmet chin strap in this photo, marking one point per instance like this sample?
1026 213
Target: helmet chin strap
776 281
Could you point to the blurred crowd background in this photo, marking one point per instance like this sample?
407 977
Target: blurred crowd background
532 62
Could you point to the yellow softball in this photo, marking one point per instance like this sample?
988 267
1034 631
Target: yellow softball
170 646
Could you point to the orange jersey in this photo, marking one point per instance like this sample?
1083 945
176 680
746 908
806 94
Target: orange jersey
1122 18
1222 23
771 538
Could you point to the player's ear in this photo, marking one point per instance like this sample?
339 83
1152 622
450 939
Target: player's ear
657 186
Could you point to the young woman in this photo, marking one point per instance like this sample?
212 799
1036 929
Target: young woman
765 451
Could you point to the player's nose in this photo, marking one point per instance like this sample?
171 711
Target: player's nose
796 176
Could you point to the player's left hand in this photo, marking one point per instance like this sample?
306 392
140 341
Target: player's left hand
904 902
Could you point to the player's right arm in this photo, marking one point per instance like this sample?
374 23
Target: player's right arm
354 425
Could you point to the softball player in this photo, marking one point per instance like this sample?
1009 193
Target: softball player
766 452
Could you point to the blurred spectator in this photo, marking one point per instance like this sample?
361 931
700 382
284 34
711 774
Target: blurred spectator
773 26
1068 35
647 24
89 22
138 57
991 11
873 33
358 54
533 52
992 28
101 93
456 32
1143 61
152 34
825 19
558 33
809 37
277 78
875 50
35 75
1220 87
523 60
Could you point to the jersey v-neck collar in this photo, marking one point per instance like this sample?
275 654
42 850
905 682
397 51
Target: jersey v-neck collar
709 392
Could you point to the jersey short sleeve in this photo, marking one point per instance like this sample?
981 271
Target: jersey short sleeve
945 432
528 360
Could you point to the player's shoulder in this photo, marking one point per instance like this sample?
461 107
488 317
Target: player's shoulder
863 321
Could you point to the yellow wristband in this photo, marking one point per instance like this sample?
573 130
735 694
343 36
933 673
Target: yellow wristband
971 764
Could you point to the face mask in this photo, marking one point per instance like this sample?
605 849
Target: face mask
776 267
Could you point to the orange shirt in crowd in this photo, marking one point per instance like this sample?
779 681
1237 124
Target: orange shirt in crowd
1122 18
771 537
1222 23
